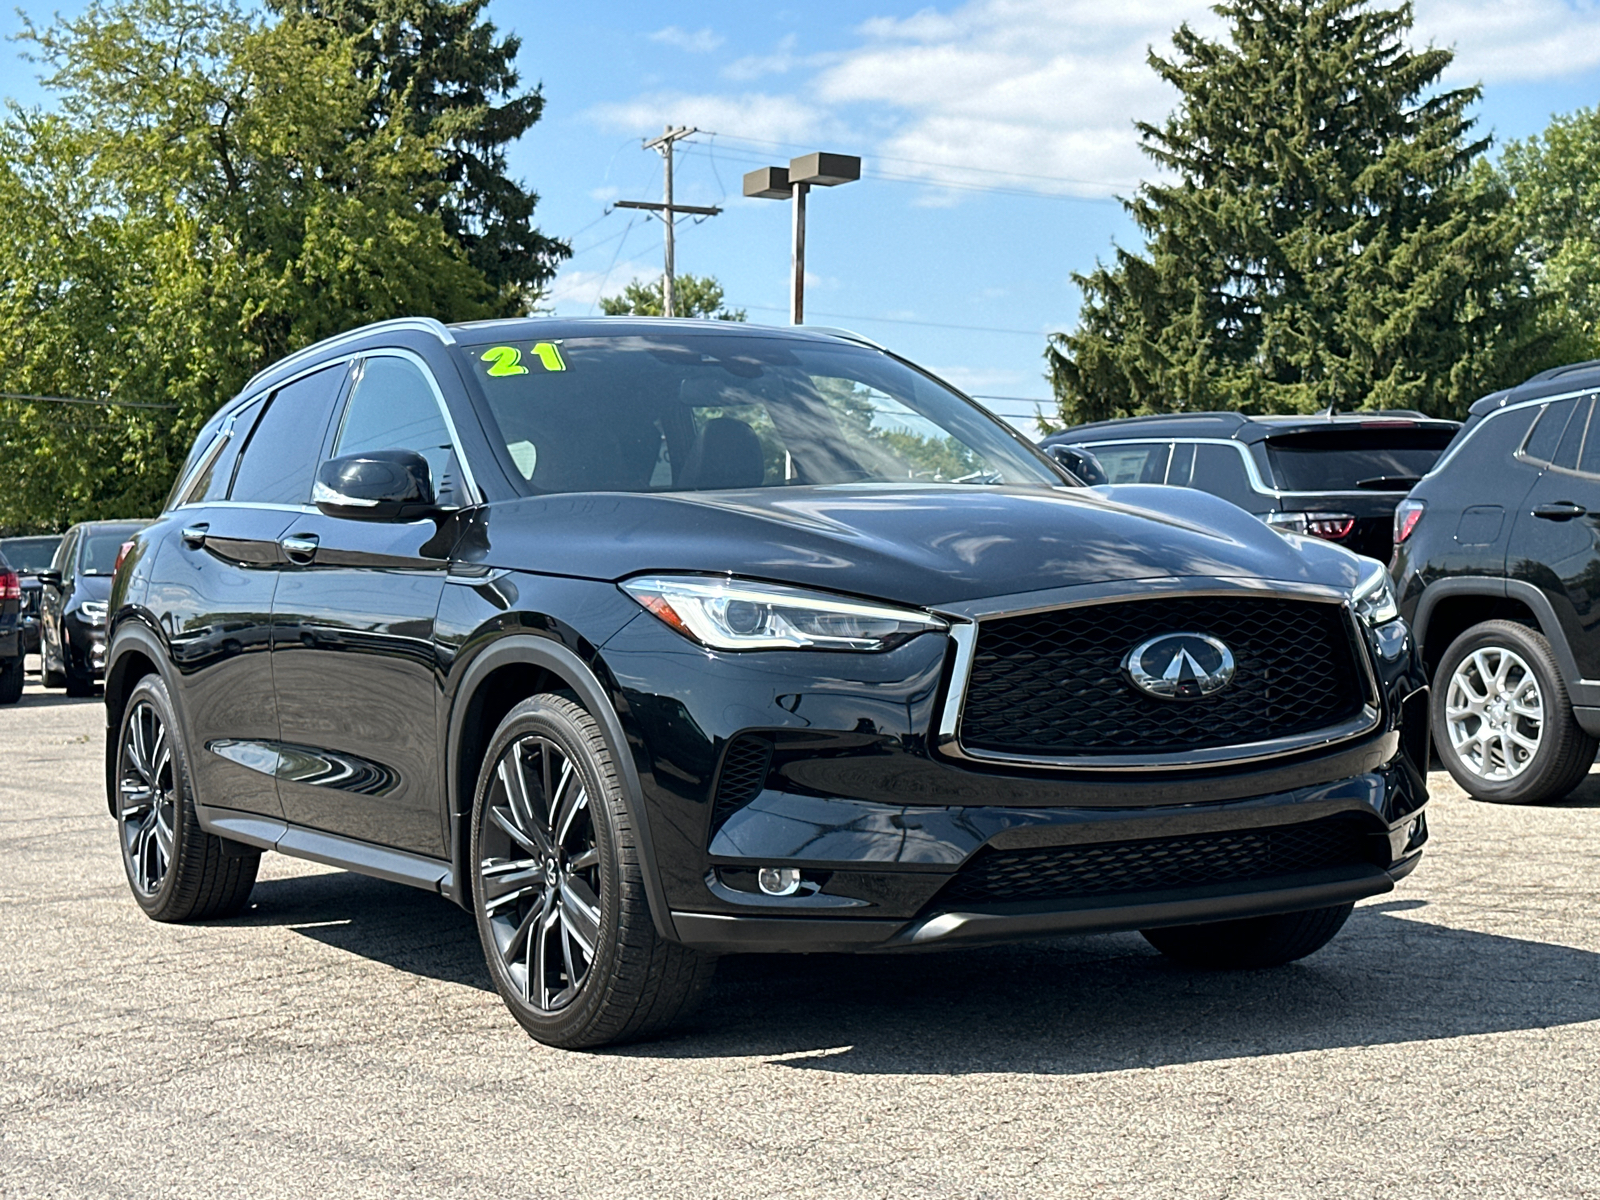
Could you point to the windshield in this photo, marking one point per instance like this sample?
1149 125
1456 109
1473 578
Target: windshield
99 553
29 554
1348 460
699 412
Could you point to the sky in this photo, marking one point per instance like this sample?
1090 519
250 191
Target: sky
996 136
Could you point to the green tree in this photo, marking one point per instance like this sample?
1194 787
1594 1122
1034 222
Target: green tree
1556 181
692 296
443 70
1321 237
208 196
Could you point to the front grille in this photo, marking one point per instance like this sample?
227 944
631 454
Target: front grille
744 774
1051 683
1162 864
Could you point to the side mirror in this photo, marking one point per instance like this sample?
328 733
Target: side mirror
1080 462
377 485
49 578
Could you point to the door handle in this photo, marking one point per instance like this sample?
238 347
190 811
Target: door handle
300 548
1561 510
195 535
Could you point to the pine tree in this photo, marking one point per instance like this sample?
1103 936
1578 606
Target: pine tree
1320 238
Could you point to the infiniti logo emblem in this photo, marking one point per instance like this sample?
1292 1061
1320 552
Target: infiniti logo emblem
1179 666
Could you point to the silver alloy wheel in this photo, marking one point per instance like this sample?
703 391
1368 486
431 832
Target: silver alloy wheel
1494 713
540 870
146 803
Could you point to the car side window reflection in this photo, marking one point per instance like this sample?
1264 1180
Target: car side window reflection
280 458
393 407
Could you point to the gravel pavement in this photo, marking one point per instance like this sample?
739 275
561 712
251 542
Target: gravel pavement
341 1039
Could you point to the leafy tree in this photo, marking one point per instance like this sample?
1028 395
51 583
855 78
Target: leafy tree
1556 180
445 72
692 296
209 195
1322 238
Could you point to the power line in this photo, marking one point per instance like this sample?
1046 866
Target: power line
906 321
75 400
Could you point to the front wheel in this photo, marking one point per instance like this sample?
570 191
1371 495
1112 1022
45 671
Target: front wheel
1502 720
1268 941
558 891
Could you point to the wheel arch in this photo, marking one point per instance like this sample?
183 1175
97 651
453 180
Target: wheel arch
136 651
512 668
1450 607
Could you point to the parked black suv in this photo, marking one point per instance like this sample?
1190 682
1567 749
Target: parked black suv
648 641
11 647
1334 477
29 556
73 606
1498 564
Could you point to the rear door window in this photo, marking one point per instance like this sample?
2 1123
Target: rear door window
1134 462
1367 457
1545 436
281 456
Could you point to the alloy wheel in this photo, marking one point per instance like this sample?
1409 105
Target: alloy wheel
1494 713
146 799
539 867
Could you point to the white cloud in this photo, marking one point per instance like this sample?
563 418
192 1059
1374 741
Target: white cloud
781 61
575 292
702 41
753 115
1501 41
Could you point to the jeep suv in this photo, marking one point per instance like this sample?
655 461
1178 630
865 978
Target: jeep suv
649 641
1498 566
1334 477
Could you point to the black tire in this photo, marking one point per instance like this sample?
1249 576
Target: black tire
11 681
79 684
176 870
48 676
569 881
1564 752
1252 942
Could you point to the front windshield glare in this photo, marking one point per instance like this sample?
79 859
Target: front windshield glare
700 412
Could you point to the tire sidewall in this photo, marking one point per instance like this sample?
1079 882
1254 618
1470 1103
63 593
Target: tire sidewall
1534 781
537 716
153 689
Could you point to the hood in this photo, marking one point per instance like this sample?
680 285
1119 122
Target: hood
920 544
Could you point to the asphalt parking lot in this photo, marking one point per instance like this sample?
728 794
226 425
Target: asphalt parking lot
341 1040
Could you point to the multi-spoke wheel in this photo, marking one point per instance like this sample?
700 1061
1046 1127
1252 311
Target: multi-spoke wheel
557 888
1502 720
177 870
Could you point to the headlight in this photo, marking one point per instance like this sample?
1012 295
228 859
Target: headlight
729 614
1374 597
94 611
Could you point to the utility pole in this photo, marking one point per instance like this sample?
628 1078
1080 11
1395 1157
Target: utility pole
793 183
668 211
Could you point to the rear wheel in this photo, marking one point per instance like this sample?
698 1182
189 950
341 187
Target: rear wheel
558 890
176 870
1268 941
11 681
1502 720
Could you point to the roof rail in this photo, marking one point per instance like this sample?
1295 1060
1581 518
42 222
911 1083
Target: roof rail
398 324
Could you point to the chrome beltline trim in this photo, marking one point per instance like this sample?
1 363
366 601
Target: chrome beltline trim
964 636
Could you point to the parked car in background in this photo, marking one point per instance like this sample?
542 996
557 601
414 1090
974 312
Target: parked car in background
11 650
649 641
1498 566
28 556
1338 478
72 610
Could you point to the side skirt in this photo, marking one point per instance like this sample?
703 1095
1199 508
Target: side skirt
268 833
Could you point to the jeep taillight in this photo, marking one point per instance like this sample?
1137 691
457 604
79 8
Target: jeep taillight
1406 515
10 585
122 553
1332 527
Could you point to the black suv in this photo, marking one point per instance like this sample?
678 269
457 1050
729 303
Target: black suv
74 604
1334 477
1498 564
29 557
648 641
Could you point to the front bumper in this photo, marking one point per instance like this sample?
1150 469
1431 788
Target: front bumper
86 644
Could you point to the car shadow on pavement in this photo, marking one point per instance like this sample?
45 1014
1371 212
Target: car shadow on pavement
1068 1006
41 698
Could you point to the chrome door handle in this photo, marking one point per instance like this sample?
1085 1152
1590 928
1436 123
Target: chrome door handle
194 535
1561 510
300 547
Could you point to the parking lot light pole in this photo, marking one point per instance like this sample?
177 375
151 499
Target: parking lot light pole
793 183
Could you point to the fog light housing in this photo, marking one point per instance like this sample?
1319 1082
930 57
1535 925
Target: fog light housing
778 881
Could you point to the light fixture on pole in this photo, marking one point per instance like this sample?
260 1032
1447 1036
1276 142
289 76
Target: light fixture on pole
792 183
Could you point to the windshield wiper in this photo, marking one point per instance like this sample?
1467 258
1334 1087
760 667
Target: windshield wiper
1390 483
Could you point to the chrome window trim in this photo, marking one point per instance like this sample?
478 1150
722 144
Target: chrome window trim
398 325
963 635
1521 455
473 494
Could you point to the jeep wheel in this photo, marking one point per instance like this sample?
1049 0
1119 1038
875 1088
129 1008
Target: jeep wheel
176 870
1502 720
1251 942
558 891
